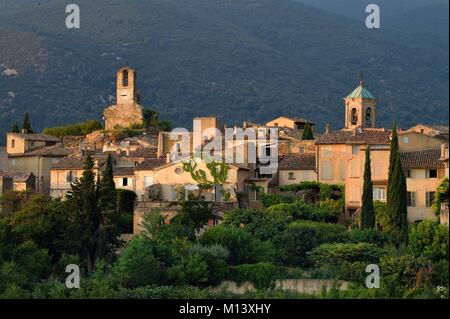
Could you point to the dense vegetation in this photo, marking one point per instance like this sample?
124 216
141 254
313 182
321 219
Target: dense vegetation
242 60
290 239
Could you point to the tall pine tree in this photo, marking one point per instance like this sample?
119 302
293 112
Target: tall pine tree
368 211
396 192
307 132
27 124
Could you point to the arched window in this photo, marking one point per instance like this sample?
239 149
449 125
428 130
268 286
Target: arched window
354 117
125 78
369 116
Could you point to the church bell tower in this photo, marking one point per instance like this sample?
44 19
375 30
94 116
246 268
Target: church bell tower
360 109
126 86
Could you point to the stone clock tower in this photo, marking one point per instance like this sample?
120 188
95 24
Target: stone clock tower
127 111
360 109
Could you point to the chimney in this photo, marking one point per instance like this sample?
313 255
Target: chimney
328 129
167 158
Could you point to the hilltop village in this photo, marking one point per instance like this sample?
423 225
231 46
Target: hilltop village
143 162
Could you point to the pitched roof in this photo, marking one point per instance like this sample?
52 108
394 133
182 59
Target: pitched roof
37 137
150 164
298 162
123 171
361 92
359 136
339 137
370 136
45 151
422 159
17 176
77 162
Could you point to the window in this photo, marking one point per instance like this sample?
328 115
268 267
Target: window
125 181
410 199
407 173
432 173
13 143
376 169
354 168
354 117
71 177
268 151
326 170
355 150
125 78
430 198
291 176
405 140
302 150
343 169
379 194
368 117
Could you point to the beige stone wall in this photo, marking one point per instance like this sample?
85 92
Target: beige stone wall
332 163
123 115
420 185
411 141
282 122
305 286
299 176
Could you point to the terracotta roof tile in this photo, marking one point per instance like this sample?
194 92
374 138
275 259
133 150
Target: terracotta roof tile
298 162
422 159
151 163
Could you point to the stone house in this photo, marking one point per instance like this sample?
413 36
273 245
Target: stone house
424 171
34 153
297 168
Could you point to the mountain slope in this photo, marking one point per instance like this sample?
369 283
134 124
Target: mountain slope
242 60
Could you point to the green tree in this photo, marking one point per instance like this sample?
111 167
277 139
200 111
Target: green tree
367 211
307 132
15 128
85 217
27 124
107 209
396 192
429 239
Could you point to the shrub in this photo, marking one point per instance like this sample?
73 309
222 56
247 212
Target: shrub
261 275
345 261
137 265
301 210
263 225
78 129
328 254
241 245
274 199
371 236
400 274
429 239
125 200
301 237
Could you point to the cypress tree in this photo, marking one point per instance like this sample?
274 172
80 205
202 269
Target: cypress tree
26 123
307 132
85 219
368 211
107 204
15 128
396 192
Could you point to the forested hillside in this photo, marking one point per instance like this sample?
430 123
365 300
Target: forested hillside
241 60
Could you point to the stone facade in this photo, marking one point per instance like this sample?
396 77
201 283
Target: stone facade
127 112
